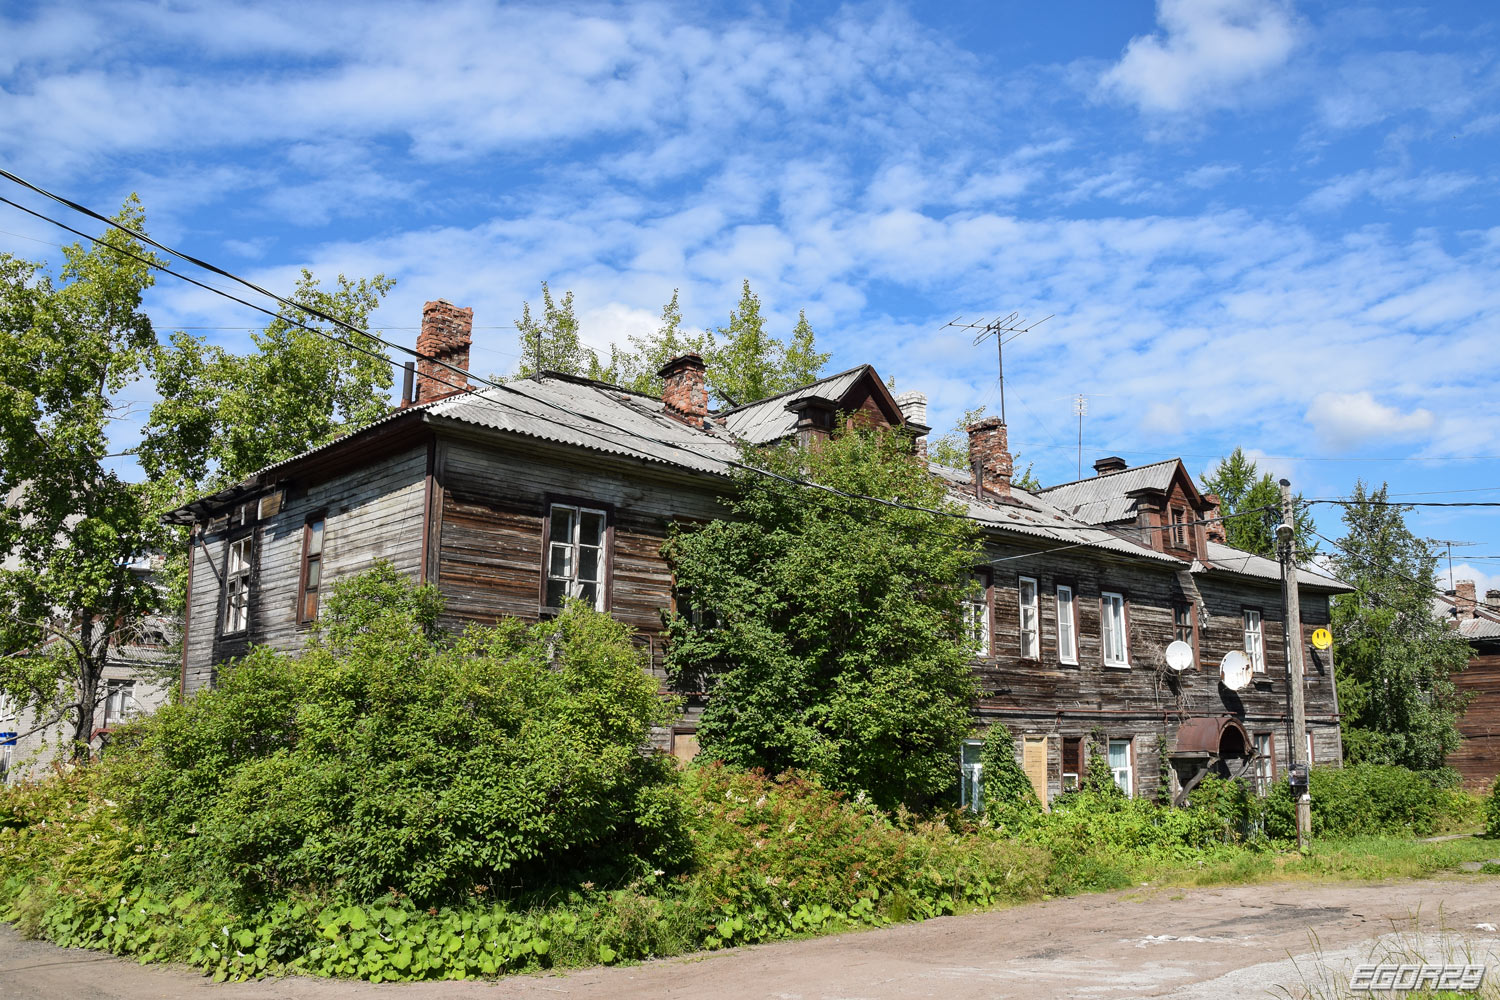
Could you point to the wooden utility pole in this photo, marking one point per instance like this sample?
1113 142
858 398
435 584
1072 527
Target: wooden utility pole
1286 534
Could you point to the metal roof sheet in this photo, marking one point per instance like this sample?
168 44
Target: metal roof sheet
767 420
1227 557
1103 499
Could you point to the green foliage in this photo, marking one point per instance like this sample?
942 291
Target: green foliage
224 415
1362 800
380 759
1007 795
1492 810
551 343
1397 700
1257 499
832 640
70 525
745 363
635 367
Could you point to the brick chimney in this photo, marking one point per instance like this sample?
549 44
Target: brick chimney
1463 599
989 457
446 336
1492 598
1113 463
1214 530
685 392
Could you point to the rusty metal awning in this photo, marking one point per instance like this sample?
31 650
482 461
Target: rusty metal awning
1222 736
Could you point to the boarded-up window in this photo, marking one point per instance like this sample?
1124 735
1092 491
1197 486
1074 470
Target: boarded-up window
1034 763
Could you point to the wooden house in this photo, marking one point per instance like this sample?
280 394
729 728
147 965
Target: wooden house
1477 758
508 498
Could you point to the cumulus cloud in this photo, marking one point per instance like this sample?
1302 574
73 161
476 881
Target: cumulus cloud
1349 419
1205 53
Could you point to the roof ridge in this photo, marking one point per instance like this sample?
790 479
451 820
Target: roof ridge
1096 477
795 388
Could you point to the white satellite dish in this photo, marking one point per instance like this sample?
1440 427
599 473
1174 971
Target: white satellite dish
1179 655
1234 670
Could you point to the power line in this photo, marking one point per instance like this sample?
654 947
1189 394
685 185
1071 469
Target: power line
1396 573
791 480
1399 503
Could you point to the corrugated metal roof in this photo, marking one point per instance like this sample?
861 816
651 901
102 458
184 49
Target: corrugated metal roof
1479 628
1227 557
595 416
767 420
1103 499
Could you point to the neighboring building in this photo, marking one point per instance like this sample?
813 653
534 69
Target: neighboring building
132 685
509 498
1478 755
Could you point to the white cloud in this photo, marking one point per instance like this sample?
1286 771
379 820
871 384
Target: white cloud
1348 419
1388 185
1207 50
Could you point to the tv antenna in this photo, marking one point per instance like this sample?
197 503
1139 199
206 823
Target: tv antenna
1080 409
1004 330
1450 542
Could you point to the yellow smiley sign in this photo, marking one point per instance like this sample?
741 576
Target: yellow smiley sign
1322 638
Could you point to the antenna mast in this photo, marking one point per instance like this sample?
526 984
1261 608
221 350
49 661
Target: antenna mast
1004 331
1080 407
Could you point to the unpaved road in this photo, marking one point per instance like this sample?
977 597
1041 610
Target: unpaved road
1227 942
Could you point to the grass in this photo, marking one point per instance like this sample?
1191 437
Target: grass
1328 977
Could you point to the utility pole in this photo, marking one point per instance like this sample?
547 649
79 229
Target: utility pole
1286 534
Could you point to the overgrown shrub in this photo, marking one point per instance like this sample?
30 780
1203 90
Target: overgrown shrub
1362 800
1008 799
1492 810
381 759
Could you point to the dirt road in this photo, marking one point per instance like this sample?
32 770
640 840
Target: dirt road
1228 942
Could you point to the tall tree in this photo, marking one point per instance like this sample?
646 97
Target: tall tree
635 367
1251 502
830 631
224 415
550 343
745 363
1397 701
71 527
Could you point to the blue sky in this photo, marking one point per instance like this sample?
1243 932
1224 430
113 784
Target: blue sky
1257 223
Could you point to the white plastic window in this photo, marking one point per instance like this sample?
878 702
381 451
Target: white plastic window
1112 630
1031 645
1067 628
575 557
1120 765
970 777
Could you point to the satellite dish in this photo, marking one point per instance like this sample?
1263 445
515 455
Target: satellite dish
1234 670
1179 655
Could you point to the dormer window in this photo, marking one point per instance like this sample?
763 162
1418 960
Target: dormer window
1179 528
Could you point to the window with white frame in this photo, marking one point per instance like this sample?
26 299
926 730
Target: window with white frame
237 584
1112 630
1067 626
575 556
1255 641
1121 766
976 612
1031 638
971 777
119 701
1265 765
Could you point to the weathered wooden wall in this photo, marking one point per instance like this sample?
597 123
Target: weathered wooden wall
1145 702
1478 756
370 513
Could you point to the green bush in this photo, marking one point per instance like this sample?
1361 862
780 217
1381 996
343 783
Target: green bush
1362 800
379 759
1008 798
1492 810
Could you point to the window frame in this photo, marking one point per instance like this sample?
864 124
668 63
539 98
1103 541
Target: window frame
118 692
238 583
986 602
1257 655
1192 628
1082 762
1265 768
310 558
1105 607
1177 526
971 776
1109 745
1034 633
605 599
1071 659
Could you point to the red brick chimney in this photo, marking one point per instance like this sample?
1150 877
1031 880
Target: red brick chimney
446 336
989 457
685 392
1213 529
1463 598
